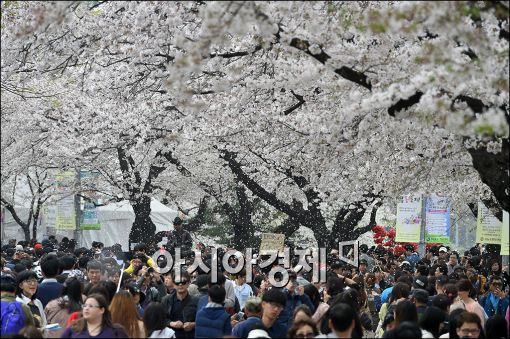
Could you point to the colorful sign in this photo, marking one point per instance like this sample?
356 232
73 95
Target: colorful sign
437 219
504 235
408 225
488 227
89 217
65 215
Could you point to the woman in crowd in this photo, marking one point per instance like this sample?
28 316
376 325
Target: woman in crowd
304 328
59 310
123 311
96 321
301 312
465 302
320 307
155 322
431 322
26 287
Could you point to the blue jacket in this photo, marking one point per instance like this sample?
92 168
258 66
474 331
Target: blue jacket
242 329
212 322
293 301
501 305
48 290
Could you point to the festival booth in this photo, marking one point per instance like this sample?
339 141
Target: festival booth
116 220
114 224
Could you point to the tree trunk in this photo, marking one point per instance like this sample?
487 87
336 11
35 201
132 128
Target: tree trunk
143 229
493 170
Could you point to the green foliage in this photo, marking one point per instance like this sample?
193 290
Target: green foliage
484 129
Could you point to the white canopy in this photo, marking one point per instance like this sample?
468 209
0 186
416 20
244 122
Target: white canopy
116 220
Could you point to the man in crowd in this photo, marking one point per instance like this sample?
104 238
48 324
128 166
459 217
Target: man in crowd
49 288
181 307
180 238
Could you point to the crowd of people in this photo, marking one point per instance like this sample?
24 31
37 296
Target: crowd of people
55 290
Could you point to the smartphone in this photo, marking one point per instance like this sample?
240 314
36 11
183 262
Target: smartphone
239 316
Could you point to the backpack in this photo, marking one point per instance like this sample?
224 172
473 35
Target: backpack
13 318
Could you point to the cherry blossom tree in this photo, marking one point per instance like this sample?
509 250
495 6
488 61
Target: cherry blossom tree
323 109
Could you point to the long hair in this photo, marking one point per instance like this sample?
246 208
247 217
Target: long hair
71 295
80 325
154 318
123 311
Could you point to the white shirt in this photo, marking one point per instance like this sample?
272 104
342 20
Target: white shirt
25 300
164 333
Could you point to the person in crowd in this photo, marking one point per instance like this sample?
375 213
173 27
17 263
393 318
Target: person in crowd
67 265
140 259
273 303
94 271
242 290
155 322
442 302
138 298
213 321
420 298
431 322
301 312
96 321
15 315
405 311
49 288
496 327
452 291
169 283
469 326
320 306
342 322
452 263
369 261
477 280
464 301
181 307
59 310
252 313
26 288
123 311
295 296
496 300
179 238
304 328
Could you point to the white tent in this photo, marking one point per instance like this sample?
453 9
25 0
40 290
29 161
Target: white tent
116 220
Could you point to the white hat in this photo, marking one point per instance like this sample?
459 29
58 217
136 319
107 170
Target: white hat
443 249
19 248
258 333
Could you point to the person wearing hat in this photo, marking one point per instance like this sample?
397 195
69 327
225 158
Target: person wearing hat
138 297
179 238
370 263
442 252
420 297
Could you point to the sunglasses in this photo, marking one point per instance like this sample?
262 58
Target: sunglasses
182 282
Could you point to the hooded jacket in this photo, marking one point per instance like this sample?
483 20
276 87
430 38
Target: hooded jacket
212 322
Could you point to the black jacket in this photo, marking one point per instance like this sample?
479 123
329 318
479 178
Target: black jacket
189 306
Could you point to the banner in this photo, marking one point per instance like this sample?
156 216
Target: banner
488 227
504 235
272 242
408 226
65 216
89 220
437 219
